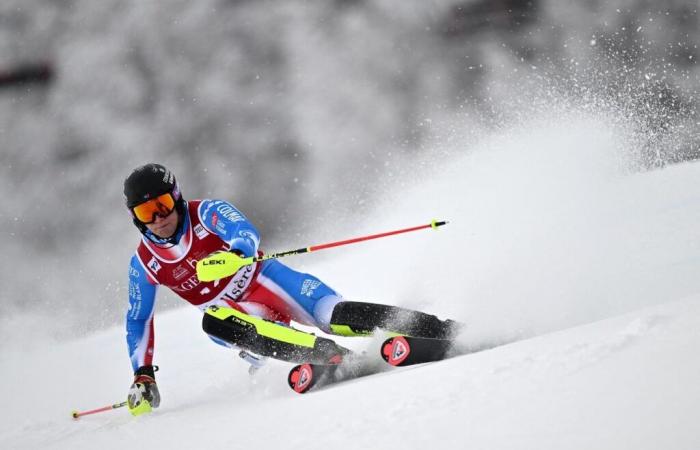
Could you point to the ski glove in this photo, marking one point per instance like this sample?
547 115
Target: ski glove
143 394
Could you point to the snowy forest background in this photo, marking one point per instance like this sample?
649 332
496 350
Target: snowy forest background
303 113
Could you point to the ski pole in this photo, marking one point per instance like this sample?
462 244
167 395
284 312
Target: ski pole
222 264
434 224
77 414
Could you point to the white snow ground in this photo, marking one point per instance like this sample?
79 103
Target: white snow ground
625 382
539 242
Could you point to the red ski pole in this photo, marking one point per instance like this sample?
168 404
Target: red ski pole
434 225
223 264
77 414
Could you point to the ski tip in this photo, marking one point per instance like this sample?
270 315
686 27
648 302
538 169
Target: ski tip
395 350
301 378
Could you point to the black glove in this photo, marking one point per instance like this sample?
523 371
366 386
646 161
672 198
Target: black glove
143 394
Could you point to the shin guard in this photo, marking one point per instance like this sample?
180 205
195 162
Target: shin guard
358 318
269 338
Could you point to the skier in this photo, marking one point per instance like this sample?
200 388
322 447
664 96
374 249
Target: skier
246 311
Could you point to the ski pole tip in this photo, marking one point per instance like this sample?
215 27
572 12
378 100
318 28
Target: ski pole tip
438 223
75 414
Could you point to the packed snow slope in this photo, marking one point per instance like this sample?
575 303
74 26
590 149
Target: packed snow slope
626 382
575 276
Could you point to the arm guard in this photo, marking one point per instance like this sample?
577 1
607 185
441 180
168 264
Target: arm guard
227 222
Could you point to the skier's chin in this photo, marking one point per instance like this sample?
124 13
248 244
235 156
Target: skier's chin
164 233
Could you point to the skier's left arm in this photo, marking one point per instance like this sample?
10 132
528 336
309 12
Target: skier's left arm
226 221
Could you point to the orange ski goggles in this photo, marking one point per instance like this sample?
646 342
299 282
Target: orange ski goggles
147 211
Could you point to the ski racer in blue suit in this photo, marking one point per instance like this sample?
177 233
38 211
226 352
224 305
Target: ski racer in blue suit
175 235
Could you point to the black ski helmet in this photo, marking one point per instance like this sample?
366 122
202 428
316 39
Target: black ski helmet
147 182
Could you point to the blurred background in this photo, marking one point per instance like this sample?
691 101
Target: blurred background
305 114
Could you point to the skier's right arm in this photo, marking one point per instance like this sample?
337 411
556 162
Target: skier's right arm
143 394
139 317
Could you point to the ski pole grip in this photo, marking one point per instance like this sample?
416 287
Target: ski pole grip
220 265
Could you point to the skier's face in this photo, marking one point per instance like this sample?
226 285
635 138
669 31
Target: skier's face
164 227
